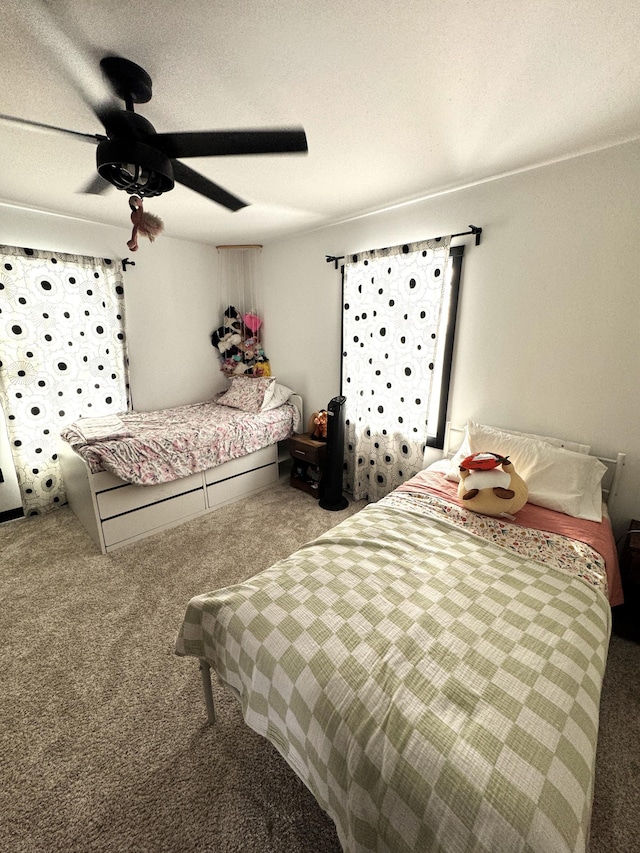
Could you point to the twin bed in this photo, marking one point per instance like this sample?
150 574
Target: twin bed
432 675
133 475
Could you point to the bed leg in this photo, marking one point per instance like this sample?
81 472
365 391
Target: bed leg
205 671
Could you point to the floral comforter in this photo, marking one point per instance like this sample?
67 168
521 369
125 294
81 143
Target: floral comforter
146 448
583 548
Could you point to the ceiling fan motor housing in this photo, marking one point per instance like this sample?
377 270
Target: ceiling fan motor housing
135 167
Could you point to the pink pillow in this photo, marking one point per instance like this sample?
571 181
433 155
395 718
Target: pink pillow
246 392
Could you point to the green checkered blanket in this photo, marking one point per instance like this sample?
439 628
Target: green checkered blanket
434 691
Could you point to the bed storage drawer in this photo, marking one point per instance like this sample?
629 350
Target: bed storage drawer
129 497
160 515
265 456
103 480
115 513
244 484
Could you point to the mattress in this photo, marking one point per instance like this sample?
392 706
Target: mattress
146 448
434 681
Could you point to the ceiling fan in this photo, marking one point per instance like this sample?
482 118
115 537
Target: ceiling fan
133 157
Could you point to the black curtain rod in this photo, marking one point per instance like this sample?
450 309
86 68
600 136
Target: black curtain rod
473 229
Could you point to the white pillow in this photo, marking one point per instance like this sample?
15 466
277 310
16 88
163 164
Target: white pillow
465 450
461 453
558 479
556 442
246 392
276 395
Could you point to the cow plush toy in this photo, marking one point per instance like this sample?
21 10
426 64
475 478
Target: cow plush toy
490 485
228 337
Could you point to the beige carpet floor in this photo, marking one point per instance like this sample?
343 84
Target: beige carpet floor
103 738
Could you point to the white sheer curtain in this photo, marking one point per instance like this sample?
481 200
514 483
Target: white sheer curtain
240 273
62 356
391 316
240 276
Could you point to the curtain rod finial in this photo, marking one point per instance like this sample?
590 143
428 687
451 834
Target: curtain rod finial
330 258
475 229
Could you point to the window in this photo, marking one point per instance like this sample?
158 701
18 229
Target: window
62 356
399 311
439 398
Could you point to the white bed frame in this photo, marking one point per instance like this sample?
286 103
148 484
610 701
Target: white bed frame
116 513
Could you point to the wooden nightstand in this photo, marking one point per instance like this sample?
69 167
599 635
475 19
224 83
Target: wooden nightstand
308 461
626 617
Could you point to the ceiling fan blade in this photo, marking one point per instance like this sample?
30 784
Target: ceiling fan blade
217 143
38 125
53 32
188 178
96 186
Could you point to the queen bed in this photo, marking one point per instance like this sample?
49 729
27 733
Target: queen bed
135 474
432 675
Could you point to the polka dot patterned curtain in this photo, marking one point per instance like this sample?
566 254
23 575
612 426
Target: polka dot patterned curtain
391 313
62 356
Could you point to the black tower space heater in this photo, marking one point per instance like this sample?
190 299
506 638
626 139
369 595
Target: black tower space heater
330 490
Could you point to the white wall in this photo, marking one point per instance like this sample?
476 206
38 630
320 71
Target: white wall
549 316
549 313
172 307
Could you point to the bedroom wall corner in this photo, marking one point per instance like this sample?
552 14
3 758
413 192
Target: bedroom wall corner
549 312
172 308
302 299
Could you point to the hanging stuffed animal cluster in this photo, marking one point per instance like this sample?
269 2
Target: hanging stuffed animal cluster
239 346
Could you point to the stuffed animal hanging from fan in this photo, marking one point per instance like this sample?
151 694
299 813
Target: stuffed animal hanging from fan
146 224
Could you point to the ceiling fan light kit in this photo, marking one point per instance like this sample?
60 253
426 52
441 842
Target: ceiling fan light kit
135 168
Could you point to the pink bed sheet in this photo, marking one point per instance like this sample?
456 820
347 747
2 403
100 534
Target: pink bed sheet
597 535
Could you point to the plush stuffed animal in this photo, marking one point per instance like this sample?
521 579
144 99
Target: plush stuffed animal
240 348
228 340
229 333
490 485
319 431
261 367
146 224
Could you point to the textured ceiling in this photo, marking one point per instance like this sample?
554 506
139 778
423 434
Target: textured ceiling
398 102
